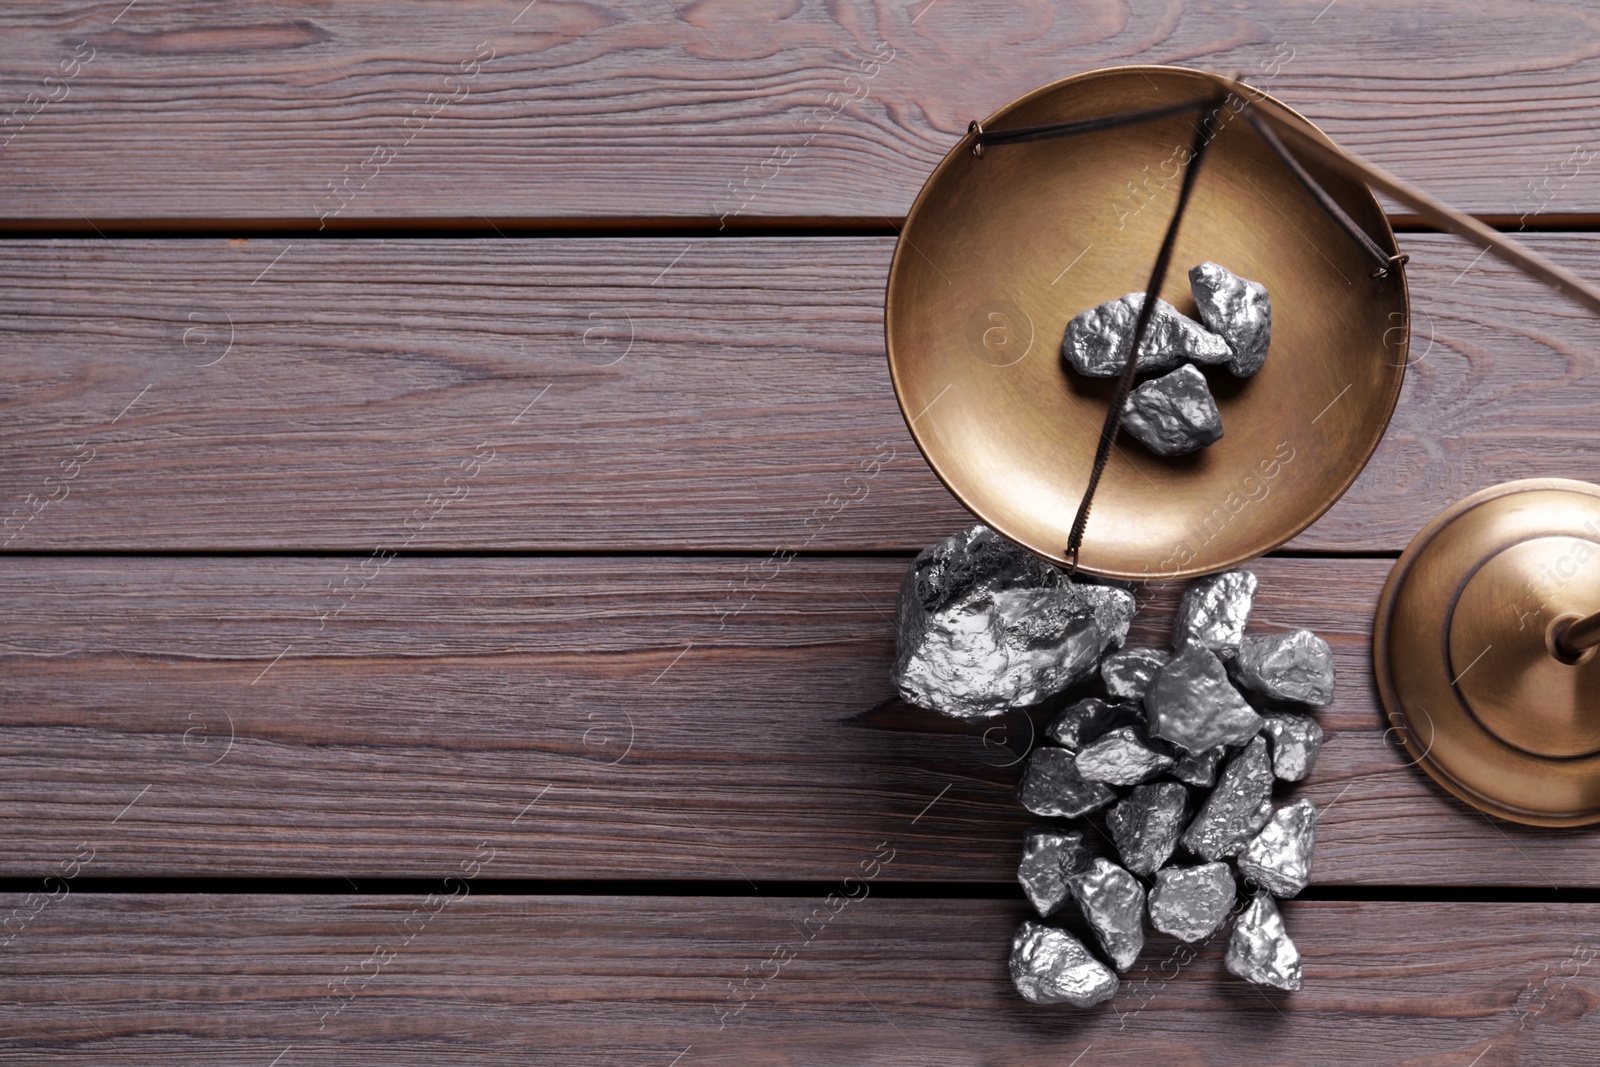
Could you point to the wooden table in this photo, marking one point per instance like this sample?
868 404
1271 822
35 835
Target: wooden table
409 411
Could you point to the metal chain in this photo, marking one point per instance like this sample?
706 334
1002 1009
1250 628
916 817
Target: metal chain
1158 277
1321 195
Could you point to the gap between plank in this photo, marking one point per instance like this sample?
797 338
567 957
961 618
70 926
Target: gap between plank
661 552
457 228
233 885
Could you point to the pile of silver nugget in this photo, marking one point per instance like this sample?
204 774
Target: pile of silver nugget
1175 413
1180 753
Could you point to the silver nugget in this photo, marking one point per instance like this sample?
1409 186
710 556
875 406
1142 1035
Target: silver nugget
1090 719
1279 858
1096 341
1122 757
1295 666
1146 825
1113 902
1174 414
1296 740
1192 704
1259 950
1052 787
1237 310
1112 604
1049 862
986 625
1237 809
1191 903
1214 610
1128 673
1199 768
1050 966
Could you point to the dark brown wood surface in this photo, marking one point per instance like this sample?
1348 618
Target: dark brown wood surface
723 110
591 718
401 980
584 394
393 503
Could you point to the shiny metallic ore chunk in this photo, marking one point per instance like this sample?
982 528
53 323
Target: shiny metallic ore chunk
1294 666
1113 607
1122 757
1048 862
1089 720
1096 341
1192 704
1199 768
986 625
1173 415
1191 903
1146 825
1113 902
1128 673
1237 809
1279 858
1238 310
1214 610
1296 740
1050 966
1260 950
1051 786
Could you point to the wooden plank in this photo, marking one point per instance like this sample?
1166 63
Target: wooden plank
637 717
396 980
610 394
707 110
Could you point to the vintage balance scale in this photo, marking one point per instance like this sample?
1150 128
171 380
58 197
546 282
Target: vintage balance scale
1485 638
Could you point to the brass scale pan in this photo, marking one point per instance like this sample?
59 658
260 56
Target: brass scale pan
999 251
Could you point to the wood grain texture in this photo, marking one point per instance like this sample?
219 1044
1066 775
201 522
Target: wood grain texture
711 109
384 980
612 394
591 718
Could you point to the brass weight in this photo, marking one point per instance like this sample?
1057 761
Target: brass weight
1485 651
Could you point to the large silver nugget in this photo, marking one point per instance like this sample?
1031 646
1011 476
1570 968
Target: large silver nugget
1192 704
1295 666
1259 950
1122 757
1191 903
1090 719
1237 310
1174 414
1096 341
986 625
1214 610
1050 966
1128 673
1237 809
1113 902
1049 861
1051 786
1279 858
1146 825
1199 768
1296 740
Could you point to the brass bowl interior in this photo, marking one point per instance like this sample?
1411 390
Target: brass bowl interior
999 252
